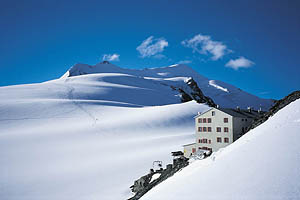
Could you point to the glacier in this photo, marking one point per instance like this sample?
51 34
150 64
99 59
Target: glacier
91 132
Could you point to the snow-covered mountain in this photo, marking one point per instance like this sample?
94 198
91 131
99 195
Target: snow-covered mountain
263 164
221 93
90 136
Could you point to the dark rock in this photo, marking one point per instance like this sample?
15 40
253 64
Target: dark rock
193 92
169 167
177 153
105 62
184 96
276 107
164 174
141 183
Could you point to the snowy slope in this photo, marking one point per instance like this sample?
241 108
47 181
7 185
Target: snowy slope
90 136
263 164
87 137
222 93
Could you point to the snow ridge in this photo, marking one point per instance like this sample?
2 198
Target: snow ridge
74 137
221 93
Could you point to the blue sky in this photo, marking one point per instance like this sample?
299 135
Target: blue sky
253 45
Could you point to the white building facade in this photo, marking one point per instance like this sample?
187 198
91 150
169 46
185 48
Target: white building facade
219 127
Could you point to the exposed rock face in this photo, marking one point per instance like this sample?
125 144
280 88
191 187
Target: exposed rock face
277 106
192 92
223 94
198 95
140 184
171 169
105 62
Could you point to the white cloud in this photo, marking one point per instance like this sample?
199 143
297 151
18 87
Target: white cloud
203 44
151 47
240 62
184 62
111 57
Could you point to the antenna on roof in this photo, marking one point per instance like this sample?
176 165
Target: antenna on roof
259 110
249 109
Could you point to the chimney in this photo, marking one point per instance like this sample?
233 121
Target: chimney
238 108
249 109
217 106
199 113
259 110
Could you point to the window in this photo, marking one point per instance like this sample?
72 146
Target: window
242 120
208 120
225 120
245 119
204 120
213 113
218 129
204 140
193 150
199 129
200 141
209 141
204 129
200 120
219 139
226 129
226 140
208 129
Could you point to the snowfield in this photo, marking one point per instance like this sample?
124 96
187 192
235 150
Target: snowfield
223 94
263 164
90 136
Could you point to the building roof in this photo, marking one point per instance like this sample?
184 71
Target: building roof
177 153
203 112
236 112
189 144
240 113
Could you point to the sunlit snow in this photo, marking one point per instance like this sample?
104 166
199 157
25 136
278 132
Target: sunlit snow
263 164
90 136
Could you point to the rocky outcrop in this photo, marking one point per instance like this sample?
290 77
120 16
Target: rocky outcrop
144 184
197 94
277 106
191 91
105 62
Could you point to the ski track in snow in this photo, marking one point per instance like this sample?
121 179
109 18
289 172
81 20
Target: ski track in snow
52 145
81 107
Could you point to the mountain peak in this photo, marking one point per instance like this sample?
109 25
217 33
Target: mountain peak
105 62
83 69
